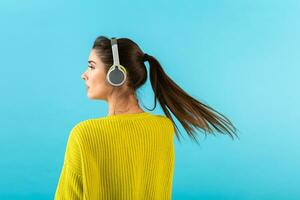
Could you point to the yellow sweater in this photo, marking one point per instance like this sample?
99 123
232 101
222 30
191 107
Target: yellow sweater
119 157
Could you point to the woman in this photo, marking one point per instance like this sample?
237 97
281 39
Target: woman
129 154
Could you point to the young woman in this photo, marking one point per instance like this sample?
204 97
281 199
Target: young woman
129 154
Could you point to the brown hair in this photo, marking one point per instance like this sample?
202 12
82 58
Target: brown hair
190 112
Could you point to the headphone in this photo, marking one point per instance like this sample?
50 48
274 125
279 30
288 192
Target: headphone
116 74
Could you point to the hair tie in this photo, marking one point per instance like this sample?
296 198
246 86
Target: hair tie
145 57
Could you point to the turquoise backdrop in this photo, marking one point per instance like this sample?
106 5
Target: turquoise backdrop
240 57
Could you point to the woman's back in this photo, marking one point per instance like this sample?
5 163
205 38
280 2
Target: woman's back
125 156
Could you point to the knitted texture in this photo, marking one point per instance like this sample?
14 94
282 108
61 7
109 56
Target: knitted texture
119 157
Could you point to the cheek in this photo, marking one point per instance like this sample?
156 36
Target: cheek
99 88
98 81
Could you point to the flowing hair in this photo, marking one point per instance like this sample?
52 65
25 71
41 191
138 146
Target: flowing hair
190 112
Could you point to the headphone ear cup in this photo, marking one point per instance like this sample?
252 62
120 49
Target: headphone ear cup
116 75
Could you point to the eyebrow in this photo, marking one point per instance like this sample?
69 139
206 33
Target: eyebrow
91 61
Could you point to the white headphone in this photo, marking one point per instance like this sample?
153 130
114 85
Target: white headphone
116 74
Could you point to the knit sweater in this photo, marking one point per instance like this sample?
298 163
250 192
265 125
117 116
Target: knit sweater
119 157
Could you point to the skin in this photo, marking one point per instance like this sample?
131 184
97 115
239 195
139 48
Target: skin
99 88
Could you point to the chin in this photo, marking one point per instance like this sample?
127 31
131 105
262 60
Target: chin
90 96
94 97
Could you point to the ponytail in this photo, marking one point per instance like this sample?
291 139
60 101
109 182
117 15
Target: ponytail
190 112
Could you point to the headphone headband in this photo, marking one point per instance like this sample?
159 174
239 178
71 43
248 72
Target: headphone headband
115 52
116 74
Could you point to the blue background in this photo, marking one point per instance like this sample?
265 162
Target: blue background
240 57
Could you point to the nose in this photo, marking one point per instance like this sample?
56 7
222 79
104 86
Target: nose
83 76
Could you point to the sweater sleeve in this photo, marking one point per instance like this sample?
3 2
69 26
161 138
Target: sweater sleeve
70 182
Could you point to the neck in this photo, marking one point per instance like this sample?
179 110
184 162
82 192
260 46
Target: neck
128 106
